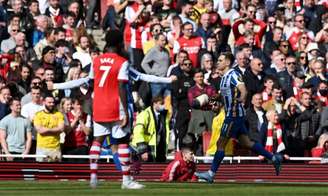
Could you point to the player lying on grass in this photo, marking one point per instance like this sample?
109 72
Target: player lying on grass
182 168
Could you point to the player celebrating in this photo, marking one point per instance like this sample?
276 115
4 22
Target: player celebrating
110 110
233 92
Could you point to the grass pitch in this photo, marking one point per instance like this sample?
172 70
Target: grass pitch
70 188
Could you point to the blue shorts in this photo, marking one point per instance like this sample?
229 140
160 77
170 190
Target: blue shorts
233 127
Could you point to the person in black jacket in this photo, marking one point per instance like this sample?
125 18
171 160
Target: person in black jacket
256 121
254 79
180 95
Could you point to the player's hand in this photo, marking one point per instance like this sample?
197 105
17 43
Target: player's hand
144 156
50 85
124 121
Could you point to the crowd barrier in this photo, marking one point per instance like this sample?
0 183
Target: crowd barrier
234 169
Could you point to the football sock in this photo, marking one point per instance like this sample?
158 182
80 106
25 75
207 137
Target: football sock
218 157
117 161
258 148
124 157
94 156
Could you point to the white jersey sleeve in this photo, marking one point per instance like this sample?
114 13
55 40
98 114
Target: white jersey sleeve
124 72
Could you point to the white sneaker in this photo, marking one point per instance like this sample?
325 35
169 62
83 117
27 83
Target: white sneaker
132 185
93 182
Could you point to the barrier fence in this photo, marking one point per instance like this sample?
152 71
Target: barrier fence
235 169
230 159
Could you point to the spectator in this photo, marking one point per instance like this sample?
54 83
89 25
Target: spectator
49 123
256 120
82 51
15 131
322 94
204 29
318 73
48 40
206 65
322 148
288 119
253 79
273 44
155 29
276 102
267 89
188 42
35 82
156 62
151 133
175 69
30 109
241 62
55 12
186 13
42 24
10 43
323 127
293 35
180 99
275 136
200 96
313 14
308 123
5 96
76 135
69 21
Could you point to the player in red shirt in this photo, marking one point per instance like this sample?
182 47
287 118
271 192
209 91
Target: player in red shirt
188 42
110 110
182 168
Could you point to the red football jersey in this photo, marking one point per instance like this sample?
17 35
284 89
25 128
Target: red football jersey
108 69
192 46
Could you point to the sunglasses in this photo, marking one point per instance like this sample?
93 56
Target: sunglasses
300 21
302 57
36 83
158 30
291 63
285 46
14 30
187 64
283 59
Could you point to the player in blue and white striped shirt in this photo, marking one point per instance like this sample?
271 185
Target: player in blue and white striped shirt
233 92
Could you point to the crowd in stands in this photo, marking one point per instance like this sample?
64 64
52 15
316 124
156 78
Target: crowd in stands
280 47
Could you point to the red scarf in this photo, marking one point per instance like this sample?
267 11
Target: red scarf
269 141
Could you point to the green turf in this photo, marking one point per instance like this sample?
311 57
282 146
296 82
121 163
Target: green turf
70 188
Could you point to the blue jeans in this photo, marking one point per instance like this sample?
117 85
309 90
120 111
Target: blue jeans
159 89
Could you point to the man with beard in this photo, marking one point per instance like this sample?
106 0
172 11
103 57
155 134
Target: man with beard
49 123
180 99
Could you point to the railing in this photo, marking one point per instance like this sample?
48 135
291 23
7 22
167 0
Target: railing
229 159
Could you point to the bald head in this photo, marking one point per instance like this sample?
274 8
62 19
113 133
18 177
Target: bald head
256 65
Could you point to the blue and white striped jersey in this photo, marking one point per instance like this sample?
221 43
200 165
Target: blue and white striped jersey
230 93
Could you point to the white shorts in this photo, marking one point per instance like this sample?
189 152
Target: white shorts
101 129
53 155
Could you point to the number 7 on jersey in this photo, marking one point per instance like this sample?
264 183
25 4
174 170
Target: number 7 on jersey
106 70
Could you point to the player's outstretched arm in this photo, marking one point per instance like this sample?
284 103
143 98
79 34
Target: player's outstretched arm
70 84
136 75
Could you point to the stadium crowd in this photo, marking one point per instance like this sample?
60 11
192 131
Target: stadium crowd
175 49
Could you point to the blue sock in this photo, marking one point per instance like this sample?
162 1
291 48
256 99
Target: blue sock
117 161
218 157
258 148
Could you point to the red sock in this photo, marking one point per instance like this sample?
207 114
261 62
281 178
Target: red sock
124 156
94 156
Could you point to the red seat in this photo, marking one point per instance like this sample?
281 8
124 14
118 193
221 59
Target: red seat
206 140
